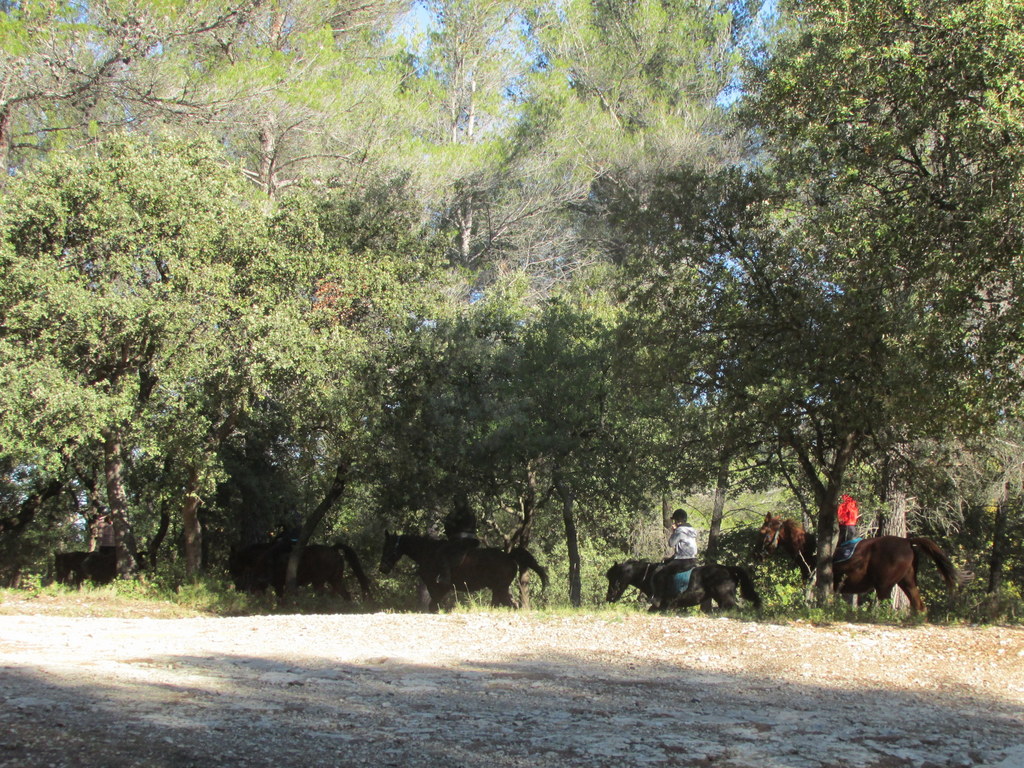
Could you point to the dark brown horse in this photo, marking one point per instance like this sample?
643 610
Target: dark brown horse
322 566
72 568
878 563
480 567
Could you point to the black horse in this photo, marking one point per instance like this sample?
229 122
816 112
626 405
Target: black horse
72 568
480 567
709 584
322 566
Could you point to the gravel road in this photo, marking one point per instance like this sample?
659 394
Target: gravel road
494 689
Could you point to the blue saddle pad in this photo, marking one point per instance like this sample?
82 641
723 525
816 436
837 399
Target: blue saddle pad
681 580
845 550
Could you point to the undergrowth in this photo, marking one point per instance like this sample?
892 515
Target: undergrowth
783 602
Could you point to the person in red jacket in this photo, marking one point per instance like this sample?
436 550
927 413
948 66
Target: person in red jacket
847 513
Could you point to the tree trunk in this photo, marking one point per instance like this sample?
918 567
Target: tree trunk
466 210
311 523
117 502
572 544
894 521
718 510
191 525
28 508
826 494
521 537
191 528
895 524
268 156
153 551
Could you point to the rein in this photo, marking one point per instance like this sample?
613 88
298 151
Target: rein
647 570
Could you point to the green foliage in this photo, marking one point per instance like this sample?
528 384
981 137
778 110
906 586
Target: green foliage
851 290
900 128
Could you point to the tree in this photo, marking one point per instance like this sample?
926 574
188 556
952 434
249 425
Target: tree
464 90
146 281
794 339
69 71
302 90
897 128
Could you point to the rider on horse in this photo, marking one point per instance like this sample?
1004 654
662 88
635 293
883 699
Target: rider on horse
683 541
847 513
460 532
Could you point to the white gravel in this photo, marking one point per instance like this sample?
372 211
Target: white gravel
494 689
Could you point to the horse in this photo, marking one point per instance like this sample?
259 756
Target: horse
72 568
879 563
258 566
479 568
709 584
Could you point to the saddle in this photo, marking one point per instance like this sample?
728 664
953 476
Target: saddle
681 581
845 550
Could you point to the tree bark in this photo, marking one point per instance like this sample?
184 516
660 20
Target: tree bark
268 155
826 495
117 502
718 510
312 522
5 144
895 524
528 510
190 525
572 544
28 508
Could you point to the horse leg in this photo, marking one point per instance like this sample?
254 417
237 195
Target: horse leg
909 586
338 586
707 605
726 599
423 596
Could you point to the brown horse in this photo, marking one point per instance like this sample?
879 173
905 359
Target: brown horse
878 563
322 566
480 568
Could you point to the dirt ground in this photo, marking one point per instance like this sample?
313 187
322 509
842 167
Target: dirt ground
495 689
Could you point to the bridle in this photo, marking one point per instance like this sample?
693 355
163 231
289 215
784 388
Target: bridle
770 543
772 539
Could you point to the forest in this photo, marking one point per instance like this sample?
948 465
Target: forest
337 267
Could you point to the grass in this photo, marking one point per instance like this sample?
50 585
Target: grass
215 597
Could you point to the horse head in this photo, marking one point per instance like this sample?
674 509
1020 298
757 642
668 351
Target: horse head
618 580
632 573
770 532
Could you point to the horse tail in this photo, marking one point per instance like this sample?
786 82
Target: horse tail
525 560
950 574
747 589
357 568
